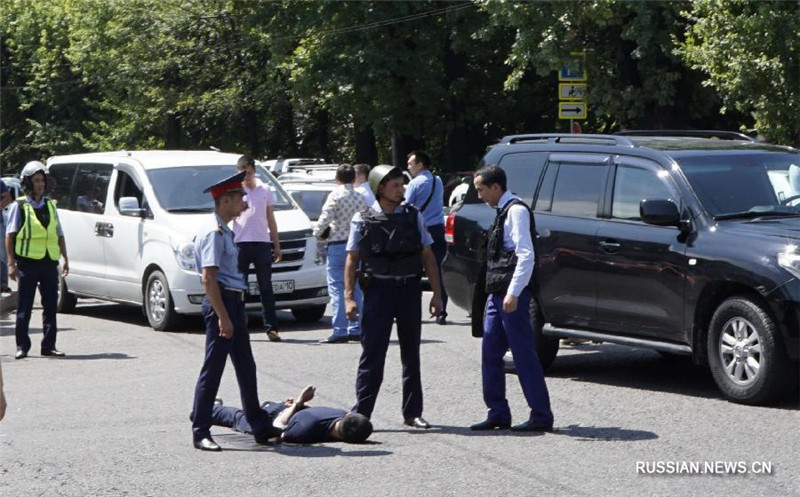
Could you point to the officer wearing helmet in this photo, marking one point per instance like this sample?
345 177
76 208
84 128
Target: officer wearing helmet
35 244
387 249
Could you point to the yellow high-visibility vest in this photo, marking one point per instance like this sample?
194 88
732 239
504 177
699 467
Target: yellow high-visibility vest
34 241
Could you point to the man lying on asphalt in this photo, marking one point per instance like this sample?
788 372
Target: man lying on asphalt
301 424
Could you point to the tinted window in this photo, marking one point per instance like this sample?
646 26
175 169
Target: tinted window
522 173
62 176
90 188
729 184
634 184
180 189
577 190
80 187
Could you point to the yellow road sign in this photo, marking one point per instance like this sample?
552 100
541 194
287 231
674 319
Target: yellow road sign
572 110
571 91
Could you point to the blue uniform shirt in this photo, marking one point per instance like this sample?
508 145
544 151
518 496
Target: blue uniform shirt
417 192
355 228
214 247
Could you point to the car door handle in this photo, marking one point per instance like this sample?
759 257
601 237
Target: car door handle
610 246
104 229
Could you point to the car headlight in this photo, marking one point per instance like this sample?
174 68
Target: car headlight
184 254
791 262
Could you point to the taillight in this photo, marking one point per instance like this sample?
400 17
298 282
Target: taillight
450 229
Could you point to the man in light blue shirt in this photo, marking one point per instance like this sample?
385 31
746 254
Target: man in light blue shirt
509 267
426 192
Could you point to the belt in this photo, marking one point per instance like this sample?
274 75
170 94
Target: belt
394 280
338 242
237 292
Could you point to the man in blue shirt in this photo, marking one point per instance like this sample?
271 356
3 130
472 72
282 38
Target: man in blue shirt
216 257
426 192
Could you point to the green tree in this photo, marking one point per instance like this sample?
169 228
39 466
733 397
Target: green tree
749 50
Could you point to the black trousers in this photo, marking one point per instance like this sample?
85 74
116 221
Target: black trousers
217 351
439 248
382 306
30 273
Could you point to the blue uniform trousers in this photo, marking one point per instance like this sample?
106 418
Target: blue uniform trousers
383 305
439 248
503 330
45 274
260 255
217 351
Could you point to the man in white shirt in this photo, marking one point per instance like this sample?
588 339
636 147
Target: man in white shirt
510 264
361 185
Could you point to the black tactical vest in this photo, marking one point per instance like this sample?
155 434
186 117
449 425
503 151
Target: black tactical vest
500 263
390 244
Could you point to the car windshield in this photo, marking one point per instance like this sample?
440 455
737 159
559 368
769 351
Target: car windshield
311 201
180 189
747 185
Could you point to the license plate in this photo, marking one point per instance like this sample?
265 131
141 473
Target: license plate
285 286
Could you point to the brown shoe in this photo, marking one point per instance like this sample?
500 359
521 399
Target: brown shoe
273 336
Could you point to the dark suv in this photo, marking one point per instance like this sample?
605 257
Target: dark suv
686 243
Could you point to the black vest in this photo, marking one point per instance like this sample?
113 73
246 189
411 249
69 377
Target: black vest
500 263
390 244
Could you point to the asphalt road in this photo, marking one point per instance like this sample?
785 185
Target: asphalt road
111 419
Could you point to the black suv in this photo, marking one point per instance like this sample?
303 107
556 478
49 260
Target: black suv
683 242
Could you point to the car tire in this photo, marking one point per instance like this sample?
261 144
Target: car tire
746 354
158 306
66 301
309 314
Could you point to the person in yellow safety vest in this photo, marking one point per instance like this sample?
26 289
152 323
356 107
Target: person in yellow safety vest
35 244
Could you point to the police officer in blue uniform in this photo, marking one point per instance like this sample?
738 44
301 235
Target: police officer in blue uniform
223 311
389 245
509 268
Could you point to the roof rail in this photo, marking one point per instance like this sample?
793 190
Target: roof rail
689 133
569 138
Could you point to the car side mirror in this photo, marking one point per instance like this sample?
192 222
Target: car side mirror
660 212
129 206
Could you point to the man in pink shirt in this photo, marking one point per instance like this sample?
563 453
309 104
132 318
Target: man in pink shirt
253 231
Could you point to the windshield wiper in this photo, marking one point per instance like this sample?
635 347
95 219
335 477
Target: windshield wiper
190 209
755 214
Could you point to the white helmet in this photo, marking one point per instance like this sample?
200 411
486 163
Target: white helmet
32 168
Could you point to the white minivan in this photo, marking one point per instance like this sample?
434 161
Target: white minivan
129 219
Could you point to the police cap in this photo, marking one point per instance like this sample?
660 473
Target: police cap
227 185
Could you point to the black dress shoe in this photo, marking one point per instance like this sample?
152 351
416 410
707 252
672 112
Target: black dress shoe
490 424
21 354
533 426
416 423
354 338
207 443
441 318
53 353
335 339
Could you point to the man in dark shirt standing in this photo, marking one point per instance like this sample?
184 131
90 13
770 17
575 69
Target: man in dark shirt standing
301 424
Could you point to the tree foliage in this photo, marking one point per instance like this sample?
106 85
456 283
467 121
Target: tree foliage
370 80
750 52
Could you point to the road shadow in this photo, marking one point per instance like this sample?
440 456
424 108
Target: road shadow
640 369
237 442
583 433
7 329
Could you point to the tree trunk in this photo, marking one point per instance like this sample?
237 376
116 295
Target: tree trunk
366 150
